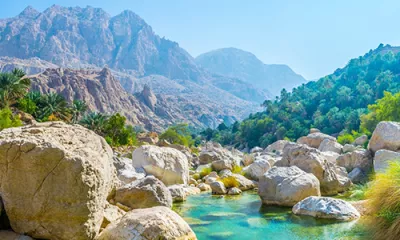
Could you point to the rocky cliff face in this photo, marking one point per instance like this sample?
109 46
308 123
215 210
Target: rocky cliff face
104 93
89 38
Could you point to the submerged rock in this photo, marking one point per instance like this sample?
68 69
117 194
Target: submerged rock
167 164
55 179
325 207
10 235
287 185
148 223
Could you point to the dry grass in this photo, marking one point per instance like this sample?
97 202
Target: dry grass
384 202
230 182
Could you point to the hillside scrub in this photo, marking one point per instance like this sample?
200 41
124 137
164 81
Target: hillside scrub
331 104
7 119
384 202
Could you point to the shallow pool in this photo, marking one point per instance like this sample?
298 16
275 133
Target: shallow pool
243 217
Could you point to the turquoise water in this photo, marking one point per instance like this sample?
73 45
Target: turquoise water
243 217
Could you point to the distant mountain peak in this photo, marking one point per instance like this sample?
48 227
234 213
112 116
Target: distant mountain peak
29 12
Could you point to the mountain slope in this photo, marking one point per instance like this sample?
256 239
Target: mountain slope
89 38
246 66
332 104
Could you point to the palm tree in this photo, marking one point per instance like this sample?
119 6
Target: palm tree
78 108
12 87
95 121
53 104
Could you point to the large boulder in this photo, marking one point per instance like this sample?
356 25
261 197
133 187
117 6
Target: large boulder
223 164
286 186
180 192
244 183
144 193
312 161
218 188
167 164
328 145
325 207
213 152
256 169
148 223
277 147
55 179
204 187
360 141
256 150
112 213
126 173
358 176
357 159
383 157
314 140
9 235
385 136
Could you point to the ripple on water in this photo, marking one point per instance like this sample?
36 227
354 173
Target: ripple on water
243 217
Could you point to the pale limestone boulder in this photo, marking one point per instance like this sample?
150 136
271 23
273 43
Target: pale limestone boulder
223 164
248 159
218 188
126 173
10 235
255 170
277 147
204 187
225 173
326 207
360 141
286 186
314 140
144 193
234 191
328 145
358 176
330 156
213 152
385 136
312 161
382 158
112 213
52 170
180 192
349 148
314 130
149 223
256 150
244 183
345 181
357 159
272 159
167 164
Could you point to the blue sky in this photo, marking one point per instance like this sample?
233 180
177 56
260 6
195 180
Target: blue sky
313 37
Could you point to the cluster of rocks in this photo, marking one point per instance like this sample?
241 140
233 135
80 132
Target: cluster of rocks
62 181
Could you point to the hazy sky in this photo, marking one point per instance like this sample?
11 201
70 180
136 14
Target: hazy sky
313 37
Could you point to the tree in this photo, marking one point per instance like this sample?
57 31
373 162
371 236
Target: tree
53 104
178 134
95 121
78 109
12 87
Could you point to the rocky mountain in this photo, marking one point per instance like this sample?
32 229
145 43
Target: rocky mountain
89 38
236 63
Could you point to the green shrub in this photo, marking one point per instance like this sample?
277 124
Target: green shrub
196 176
230 182
205 171
237 169
7 119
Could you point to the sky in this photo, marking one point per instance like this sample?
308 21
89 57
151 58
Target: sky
313 37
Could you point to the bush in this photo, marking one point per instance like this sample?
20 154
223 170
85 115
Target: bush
237 169
348 138
205 171
196 176
179 134
230 182
355 193
384 202
7 119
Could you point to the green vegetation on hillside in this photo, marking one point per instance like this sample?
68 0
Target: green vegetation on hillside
332 104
